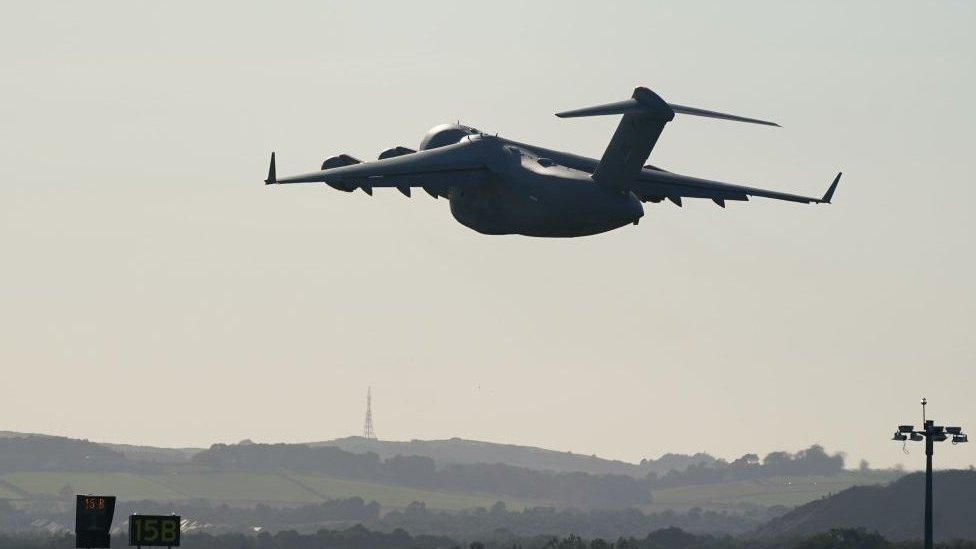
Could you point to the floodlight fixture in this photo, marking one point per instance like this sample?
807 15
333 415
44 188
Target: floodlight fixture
930 433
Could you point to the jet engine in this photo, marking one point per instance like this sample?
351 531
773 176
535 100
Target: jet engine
338 162
393 153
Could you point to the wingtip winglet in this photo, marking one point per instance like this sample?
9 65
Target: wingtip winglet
830 190
272 177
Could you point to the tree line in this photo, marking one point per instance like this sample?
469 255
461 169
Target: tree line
44 453
812 461
358 537
580 489
50 453
540 521
477 523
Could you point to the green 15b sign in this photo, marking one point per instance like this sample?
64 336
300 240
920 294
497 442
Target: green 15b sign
154 530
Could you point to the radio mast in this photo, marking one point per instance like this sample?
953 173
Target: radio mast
368 432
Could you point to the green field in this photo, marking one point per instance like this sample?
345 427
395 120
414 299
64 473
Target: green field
124 485
766 492
293 489
6 493
401 496
243 488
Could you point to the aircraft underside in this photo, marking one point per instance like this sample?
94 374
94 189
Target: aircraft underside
578 208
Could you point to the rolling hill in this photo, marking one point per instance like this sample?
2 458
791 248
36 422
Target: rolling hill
462 451
767 492
444 452
894 510
457 474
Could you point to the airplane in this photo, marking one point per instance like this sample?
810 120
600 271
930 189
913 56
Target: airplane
498 186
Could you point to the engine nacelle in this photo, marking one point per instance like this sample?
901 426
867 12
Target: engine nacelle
395 152
338 162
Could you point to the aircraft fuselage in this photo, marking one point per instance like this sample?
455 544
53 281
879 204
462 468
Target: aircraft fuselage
532 195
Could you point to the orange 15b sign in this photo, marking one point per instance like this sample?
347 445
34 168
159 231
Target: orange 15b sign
154 530
93 519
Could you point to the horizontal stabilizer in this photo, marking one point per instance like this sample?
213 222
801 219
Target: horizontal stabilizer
646 101
628 106
643 102
681 109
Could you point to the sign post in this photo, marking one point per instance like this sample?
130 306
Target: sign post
93 520
154 530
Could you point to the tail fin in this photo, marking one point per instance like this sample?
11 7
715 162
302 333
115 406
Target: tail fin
644 117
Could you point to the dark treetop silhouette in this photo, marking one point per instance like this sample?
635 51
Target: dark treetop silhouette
499 186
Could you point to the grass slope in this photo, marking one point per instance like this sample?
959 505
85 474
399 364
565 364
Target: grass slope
290 488
237 487
243 488
7 493
401 496
765 492
894 510
124 485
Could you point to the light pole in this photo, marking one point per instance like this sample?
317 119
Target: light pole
930 433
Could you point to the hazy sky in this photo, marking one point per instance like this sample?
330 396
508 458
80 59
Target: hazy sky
154 291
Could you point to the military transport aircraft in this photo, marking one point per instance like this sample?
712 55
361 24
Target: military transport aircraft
499 186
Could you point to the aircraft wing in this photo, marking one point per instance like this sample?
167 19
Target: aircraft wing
417 169
658 185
